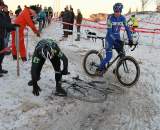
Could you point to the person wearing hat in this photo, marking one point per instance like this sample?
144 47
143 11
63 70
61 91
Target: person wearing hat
24 19
4 27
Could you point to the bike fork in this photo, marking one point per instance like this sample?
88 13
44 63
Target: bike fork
125 67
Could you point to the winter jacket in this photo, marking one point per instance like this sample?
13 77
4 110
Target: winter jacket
24 19
134 21
7 18
66 16
79 18
72 15
41 16
114 24
5 25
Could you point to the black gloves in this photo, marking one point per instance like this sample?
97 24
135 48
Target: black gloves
36 90
65 72
130 43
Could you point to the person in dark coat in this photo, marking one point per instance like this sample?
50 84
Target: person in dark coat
4 27
8 19
66 19
78 22
72 16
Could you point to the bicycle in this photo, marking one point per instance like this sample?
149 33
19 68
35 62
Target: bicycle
125 64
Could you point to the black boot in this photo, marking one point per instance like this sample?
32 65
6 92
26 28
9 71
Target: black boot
1 75
3 71
24 59
77 39
30 83
14 57
60 91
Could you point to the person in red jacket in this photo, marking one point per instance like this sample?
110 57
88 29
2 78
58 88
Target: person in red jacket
24 19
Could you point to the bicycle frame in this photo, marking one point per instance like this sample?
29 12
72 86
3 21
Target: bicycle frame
117 57
103 49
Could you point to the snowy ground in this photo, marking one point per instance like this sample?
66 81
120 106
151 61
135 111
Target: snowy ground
137 108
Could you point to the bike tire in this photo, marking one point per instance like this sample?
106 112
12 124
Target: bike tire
119 76
91 52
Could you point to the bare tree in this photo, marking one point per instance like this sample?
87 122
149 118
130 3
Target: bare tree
144 3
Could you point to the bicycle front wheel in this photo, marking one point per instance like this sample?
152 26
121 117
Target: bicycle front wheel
91 62
127 71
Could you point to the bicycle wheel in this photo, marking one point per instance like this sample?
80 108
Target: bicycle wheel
127 71
91 61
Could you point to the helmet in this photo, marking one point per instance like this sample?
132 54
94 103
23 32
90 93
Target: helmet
118 7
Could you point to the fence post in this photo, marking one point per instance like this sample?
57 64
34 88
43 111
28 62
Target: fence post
17 48
27 43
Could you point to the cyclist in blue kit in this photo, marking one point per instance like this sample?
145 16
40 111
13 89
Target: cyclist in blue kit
114 23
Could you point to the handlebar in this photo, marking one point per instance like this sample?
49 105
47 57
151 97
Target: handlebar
135 45
124 42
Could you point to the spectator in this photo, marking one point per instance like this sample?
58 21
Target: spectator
72 16
11 14
7 33
66 19
46 11
18 11
50 13
41 19
133 22
24 19
78 22
4 26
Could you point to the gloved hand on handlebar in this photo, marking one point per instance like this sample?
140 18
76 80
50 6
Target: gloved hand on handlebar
130 43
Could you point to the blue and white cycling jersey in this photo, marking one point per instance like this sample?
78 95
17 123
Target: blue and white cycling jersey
114 25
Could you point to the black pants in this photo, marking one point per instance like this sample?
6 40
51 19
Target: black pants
71 29
66 27
78 32
2 54
37 67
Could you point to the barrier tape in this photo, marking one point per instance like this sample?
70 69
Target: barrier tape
83 25
141 30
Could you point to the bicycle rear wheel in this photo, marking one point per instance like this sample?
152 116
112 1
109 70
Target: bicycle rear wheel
91 61
127 71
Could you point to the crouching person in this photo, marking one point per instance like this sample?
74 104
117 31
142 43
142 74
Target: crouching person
48 48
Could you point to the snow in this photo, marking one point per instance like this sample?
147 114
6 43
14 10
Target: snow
136 108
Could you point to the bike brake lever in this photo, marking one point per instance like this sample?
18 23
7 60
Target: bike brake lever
135 45
133 48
